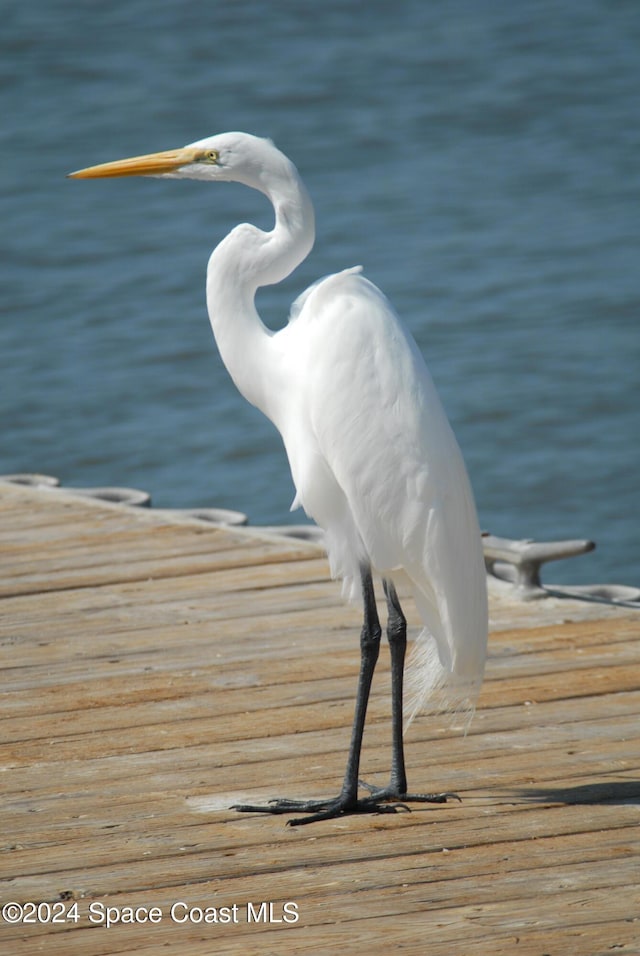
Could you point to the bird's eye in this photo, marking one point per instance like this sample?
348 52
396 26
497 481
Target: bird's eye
212 155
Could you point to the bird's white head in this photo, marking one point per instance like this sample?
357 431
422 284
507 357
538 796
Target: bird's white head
226 157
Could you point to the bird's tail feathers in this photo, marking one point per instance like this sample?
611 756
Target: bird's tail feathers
432 688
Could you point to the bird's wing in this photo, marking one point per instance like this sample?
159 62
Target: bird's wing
379 438
298 304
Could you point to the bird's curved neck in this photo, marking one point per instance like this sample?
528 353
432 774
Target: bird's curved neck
247 259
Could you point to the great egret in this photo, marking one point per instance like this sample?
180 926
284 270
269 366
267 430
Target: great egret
373 458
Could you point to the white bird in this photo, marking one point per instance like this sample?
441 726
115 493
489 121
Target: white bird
373 458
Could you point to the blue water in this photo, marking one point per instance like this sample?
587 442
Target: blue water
481 160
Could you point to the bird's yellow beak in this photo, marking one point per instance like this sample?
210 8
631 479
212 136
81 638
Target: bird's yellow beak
153 164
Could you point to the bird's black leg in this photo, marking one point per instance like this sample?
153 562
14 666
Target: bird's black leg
397 637
347 801
385 800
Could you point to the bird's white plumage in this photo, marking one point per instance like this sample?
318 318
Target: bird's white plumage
373 458
376 464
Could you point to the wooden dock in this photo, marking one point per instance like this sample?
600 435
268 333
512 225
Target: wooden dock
157 671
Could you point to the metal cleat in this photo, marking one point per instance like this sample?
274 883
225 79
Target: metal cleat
519 562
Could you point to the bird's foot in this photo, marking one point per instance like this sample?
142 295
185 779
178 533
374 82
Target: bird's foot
393 793
381 800
342 805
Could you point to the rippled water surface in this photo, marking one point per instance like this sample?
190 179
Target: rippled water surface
480 160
